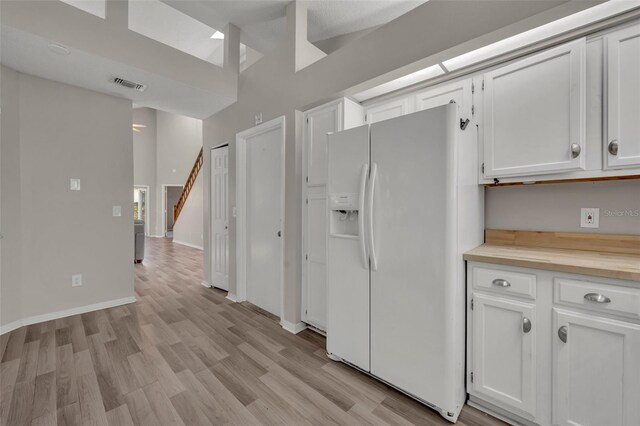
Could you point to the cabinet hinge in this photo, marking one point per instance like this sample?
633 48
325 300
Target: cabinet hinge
306 257
472 304
307 201
307 120
482 84
473 109
482 167
472 377
365 118
307 179
473 88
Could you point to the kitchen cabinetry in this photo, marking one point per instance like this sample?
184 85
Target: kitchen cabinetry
332 117
596 364
623 98
579 361
534 114
505 343
387 110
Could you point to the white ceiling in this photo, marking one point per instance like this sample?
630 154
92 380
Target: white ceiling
263 24
29 53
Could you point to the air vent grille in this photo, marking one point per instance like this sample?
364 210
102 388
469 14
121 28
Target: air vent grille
129 84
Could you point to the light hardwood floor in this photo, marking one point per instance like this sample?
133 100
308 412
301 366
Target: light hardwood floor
185 355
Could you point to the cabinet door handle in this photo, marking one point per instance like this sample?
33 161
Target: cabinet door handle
526 325
597 298
562 333
575 150
613 147
501 282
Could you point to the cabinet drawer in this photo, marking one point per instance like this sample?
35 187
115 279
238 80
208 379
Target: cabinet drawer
599 297
504 282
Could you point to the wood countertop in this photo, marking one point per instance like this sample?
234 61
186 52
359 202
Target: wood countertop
541 250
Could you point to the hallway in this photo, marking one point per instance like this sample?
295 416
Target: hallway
183 354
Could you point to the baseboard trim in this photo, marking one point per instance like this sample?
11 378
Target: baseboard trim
232 297
291 327
66 313
188 244
206 284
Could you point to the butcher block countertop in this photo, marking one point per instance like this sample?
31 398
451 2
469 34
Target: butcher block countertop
601 255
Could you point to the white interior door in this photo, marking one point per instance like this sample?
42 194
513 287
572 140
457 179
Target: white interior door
220 219
264 259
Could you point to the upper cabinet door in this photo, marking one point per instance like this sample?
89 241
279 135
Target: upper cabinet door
319 123
458 93
535 114
387 110
623 106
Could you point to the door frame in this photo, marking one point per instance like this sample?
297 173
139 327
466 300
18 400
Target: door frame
164 206
146 210
241 205
211 253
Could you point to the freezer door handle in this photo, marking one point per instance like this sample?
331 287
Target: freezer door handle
361 228
372 245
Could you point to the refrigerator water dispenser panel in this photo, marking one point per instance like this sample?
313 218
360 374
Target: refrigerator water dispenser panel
343 220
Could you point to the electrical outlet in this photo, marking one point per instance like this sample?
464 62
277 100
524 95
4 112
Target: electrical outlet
589 217
117 211
76 280
74 184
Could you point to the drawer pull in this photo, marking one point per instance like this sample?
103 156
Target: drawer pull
597 298
526 325
562 333
501 282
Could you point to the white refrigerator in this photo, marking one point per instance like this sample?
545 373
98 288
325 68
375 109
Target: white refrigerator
404 205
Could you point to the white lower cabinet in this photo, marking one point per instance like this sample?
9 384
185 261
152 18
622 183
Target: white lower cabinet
596 364
564 352
504 351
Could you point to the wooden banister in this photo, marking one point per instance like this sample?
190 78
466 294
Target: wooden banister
187 186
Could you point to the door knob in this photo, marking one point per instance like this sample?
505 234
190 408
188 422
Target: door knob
562 333
575 150
613 147
526 325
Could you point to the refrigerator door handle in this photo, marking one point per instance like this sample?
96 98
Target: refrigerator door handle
372 245
361 230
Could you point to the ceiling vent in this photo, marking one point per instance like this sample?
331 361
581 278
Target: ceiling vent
129 84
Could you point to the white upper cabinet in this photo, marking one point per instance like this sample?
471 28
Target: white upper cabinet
387 110
596 370
319 123
458 92
623 91
534 114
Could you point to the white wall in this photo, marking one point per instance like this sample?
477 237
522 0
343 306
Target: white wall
144 159
556 207
10 217
65 132
189 227
164 153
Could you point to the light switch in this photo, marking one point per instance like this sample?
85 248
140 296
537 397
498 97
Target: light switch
74 184
117 211
76 280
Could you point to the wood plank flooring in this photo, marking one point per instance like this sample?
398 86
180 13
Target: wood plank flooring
185 355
